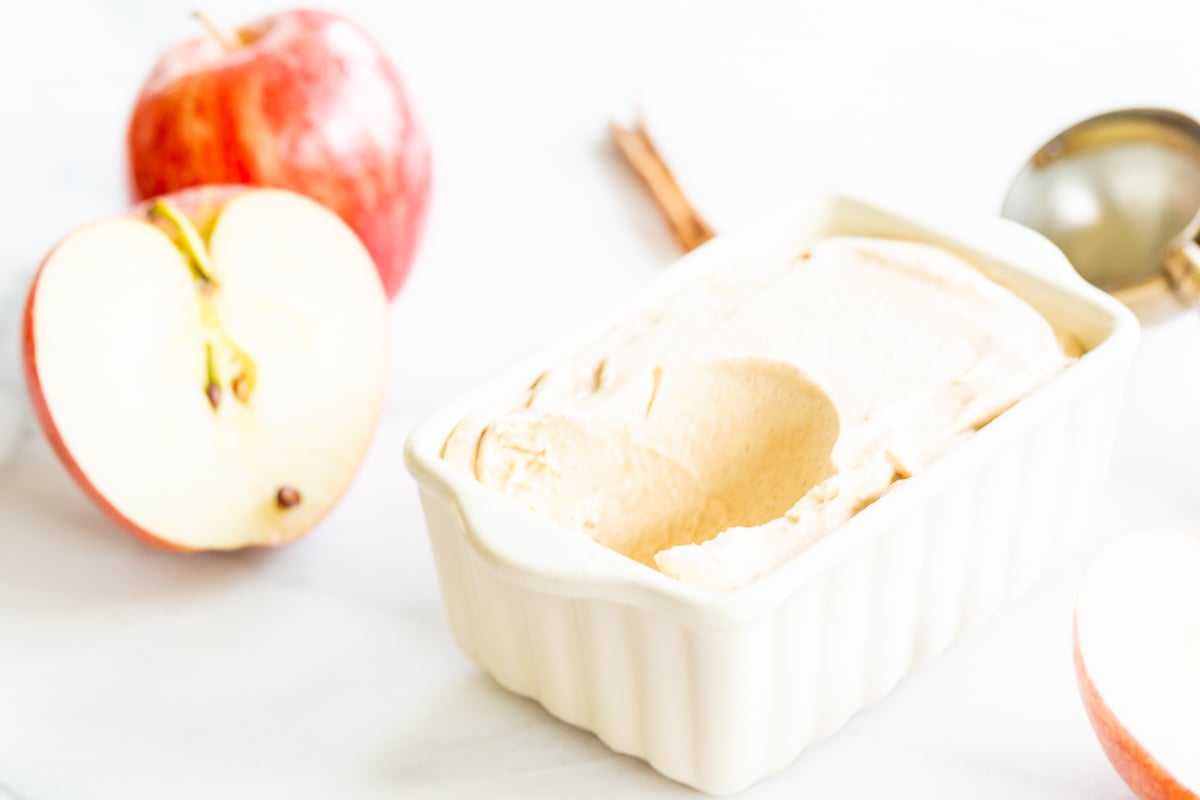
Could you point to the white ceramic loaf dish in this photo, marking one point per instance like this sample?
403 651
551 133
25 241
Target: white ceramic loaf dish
720 689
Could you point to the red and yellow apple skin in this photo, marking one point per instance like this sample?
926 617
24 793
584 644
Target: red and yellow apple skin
1148 779
308 102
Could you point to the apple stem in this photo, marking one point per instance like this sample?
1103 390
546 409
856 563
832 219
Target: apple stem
196 254
193 245
213 388
230 40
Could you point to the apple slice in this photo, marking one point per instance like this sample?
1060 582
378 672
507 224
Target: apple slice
211 368
1137 658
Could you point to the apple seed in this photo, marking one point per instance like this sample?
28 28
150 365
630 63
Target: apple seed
241 388
287 497
247 377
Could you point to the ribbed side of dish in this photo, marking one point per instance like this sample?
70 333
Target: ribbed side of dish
720 709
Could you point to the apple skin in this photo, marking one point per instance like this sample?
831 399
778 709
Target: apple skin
202 205
308 102
1143 774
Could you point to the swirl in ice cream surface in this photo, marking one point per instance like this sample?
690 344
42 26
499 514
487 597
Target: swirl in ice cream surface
726 429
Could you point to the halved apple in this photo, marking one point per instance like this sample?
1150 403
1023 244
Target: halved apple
1137 659
211 367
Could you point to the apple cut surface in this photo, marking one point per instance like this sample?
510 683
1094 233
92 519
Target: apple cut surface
122 340
1137 657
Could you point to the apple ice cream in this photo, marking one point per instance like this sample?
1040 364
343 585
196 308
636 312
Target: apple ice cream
727 429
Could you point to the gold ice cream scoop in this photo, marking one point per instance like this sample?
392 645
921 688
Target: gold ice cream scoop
1119 194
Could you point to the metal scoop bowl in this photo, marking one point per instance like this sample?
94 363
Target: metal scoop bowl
1119 194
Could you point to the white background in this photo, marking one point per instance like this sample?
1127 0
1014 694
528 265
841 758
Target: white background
325 669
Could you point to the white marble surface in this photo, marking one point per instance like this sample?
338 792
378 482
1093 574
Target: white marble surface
325 669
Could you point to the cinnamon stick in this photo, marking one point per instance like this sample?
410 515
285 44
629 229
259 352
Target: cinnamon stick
637 148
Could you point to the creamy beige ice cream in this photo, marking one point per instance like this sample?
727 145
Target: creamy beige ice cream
733 425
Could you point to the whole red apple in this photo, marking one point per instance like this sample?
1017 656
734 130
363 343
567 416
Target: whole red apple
302 100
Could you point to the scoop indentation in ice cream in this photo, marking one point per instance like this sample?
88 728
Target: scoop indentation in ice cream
652 483
731 425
